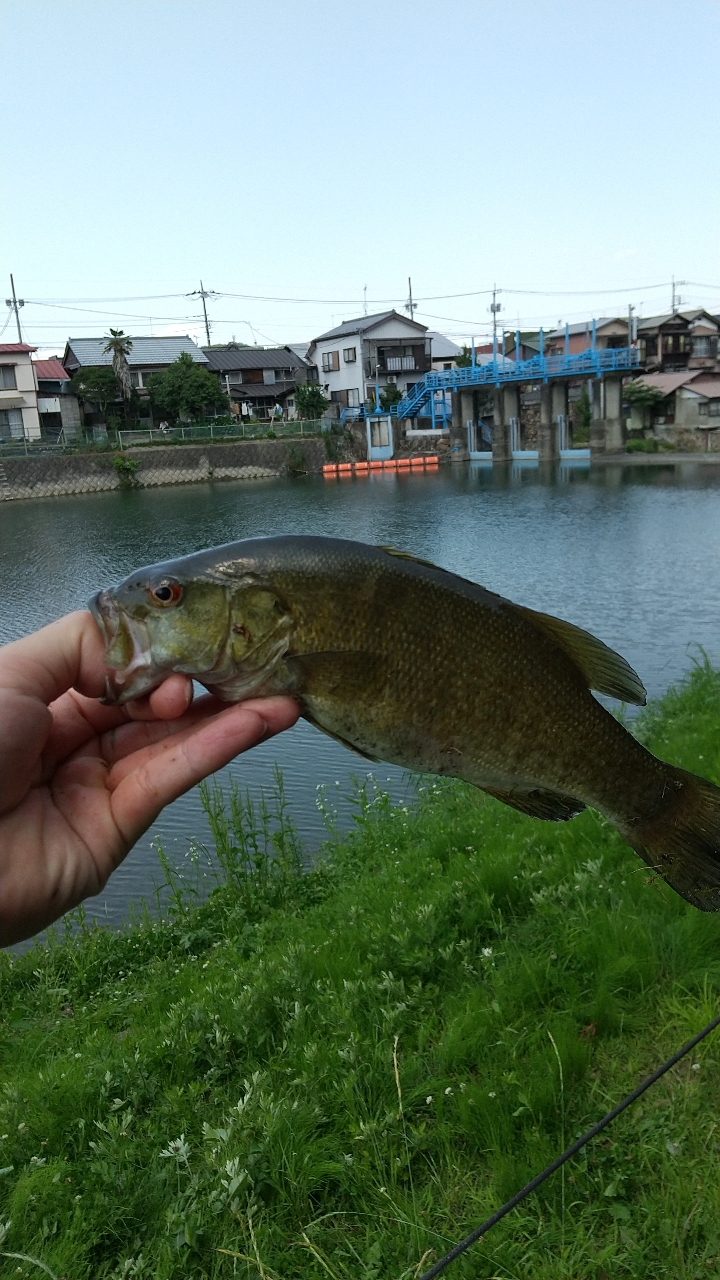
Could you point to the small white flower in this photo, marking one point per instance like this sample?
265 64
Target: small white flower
21 1126
448 1092
492 1094
383 1191
429 1099
78 1055
696 1066
487 951
463 1087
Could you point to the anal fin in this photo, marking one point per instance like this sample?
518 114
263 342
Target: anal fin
549 805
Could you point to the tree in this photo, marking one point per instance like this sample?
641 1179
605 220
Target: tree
642 397
98 385
310 401
185 389
389 396
464 360
119 345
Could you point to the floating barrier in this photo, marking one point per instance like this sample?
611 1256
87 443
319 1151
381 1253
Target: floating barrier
425 462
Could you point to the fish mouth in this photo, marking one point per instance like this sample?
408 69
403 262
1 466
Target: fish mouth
129 669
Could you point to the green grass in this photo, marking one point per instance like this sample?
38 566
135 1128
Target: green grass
340 1073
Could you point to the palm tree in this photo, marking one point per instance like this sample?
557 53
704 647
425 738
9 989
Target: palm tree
120 345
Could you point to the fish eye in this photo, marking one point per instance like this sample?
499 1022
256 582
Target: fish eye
166 593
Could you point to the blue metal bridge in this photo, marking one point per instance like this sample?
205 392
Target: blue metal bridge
499 372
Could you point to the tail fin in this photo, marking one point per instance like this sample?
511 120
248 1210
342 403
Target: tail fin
683 842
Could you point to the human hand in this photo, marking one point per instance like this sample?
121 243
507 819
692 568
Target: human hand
80 782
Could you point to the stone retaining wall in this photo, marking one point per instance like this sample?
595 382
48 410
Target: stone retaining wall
49 477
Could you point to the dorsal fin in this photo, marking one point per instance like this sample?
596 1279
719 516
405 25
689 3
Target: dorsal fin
603 668
407 555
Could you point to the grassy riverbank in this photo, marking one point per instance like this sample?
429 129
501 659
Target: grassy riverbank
339 1074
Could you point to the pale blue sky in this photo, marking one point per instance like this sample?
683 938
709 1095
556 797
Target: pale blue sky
304 151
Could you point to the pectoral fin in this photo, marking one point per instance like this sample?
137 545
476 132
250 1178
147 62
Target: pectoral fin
338 674
549 805
603 669
344 742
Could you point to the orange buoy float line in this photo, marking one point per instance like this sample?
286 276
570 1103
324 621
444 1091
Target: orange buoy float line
425 462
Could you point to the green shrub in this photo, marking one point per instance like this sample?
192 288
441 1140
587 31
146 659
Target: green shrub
126 469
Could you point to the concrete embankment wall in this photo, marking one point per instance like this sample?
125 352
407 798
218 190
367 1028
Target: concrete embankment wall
49 477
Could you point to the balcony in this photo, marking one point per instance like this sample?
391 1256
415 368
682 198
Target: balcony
399 364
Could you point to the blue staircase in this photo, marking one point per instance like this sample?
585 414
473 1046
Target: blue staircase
541 368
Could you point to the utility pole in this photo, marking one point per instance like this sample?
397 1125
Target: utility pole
410 305
15 304
494 308
365 299
203 293
630 325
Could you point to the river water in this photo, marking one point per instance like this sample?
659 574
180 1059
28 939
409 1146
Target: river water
631 553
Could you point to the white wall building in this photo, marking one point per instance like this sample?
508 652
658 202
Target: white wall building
388 346
19 418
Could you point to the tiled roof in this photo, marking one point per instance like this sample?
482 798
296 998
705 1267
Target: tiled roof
585 326
225 359
145 352
442 348
667 382
50 370
363 323
14 348
707 386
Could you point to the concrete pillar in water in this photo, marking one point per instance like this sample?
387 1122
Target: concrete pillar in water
548 447
614 433
511 409
597 422
459 451
501 430
607 433
560 407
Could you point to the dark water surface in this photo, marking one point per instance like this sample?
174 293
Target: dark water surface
630 553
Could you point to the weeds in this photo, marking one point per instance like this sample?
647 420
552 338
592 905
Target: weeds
341 1071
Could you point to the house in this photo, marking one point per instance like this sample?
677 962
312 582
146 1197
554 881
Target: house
679 340
387 347
443 352
59 410
691 398
609 332
259 380
19 418
146 356
529 344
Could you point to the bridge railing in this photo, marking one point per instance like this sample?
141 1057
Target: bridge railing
591 362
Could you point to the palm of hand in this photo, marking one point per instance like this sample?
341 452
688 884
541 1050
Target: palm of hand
80 782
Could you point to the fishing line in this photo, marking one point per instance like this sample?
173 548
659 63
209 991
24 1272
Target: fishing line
537 1181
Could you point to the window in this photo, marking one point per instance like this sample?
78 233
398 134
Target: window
134 378
330 361
350 355
447 366
704 346
268 375
8 381
714 407
11 423
379 434
353 398
703 408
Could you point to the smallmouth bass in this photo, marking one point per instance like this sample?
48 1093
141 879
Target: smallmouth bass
408 663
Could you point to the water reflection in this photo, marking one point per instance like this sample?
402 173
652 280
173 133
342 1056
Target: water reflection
629 552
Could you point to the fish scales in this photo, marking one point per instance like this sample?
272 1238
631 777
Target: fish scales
408 663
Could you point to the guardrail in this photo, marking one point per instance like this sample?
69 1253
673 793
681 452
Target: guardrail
223 433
